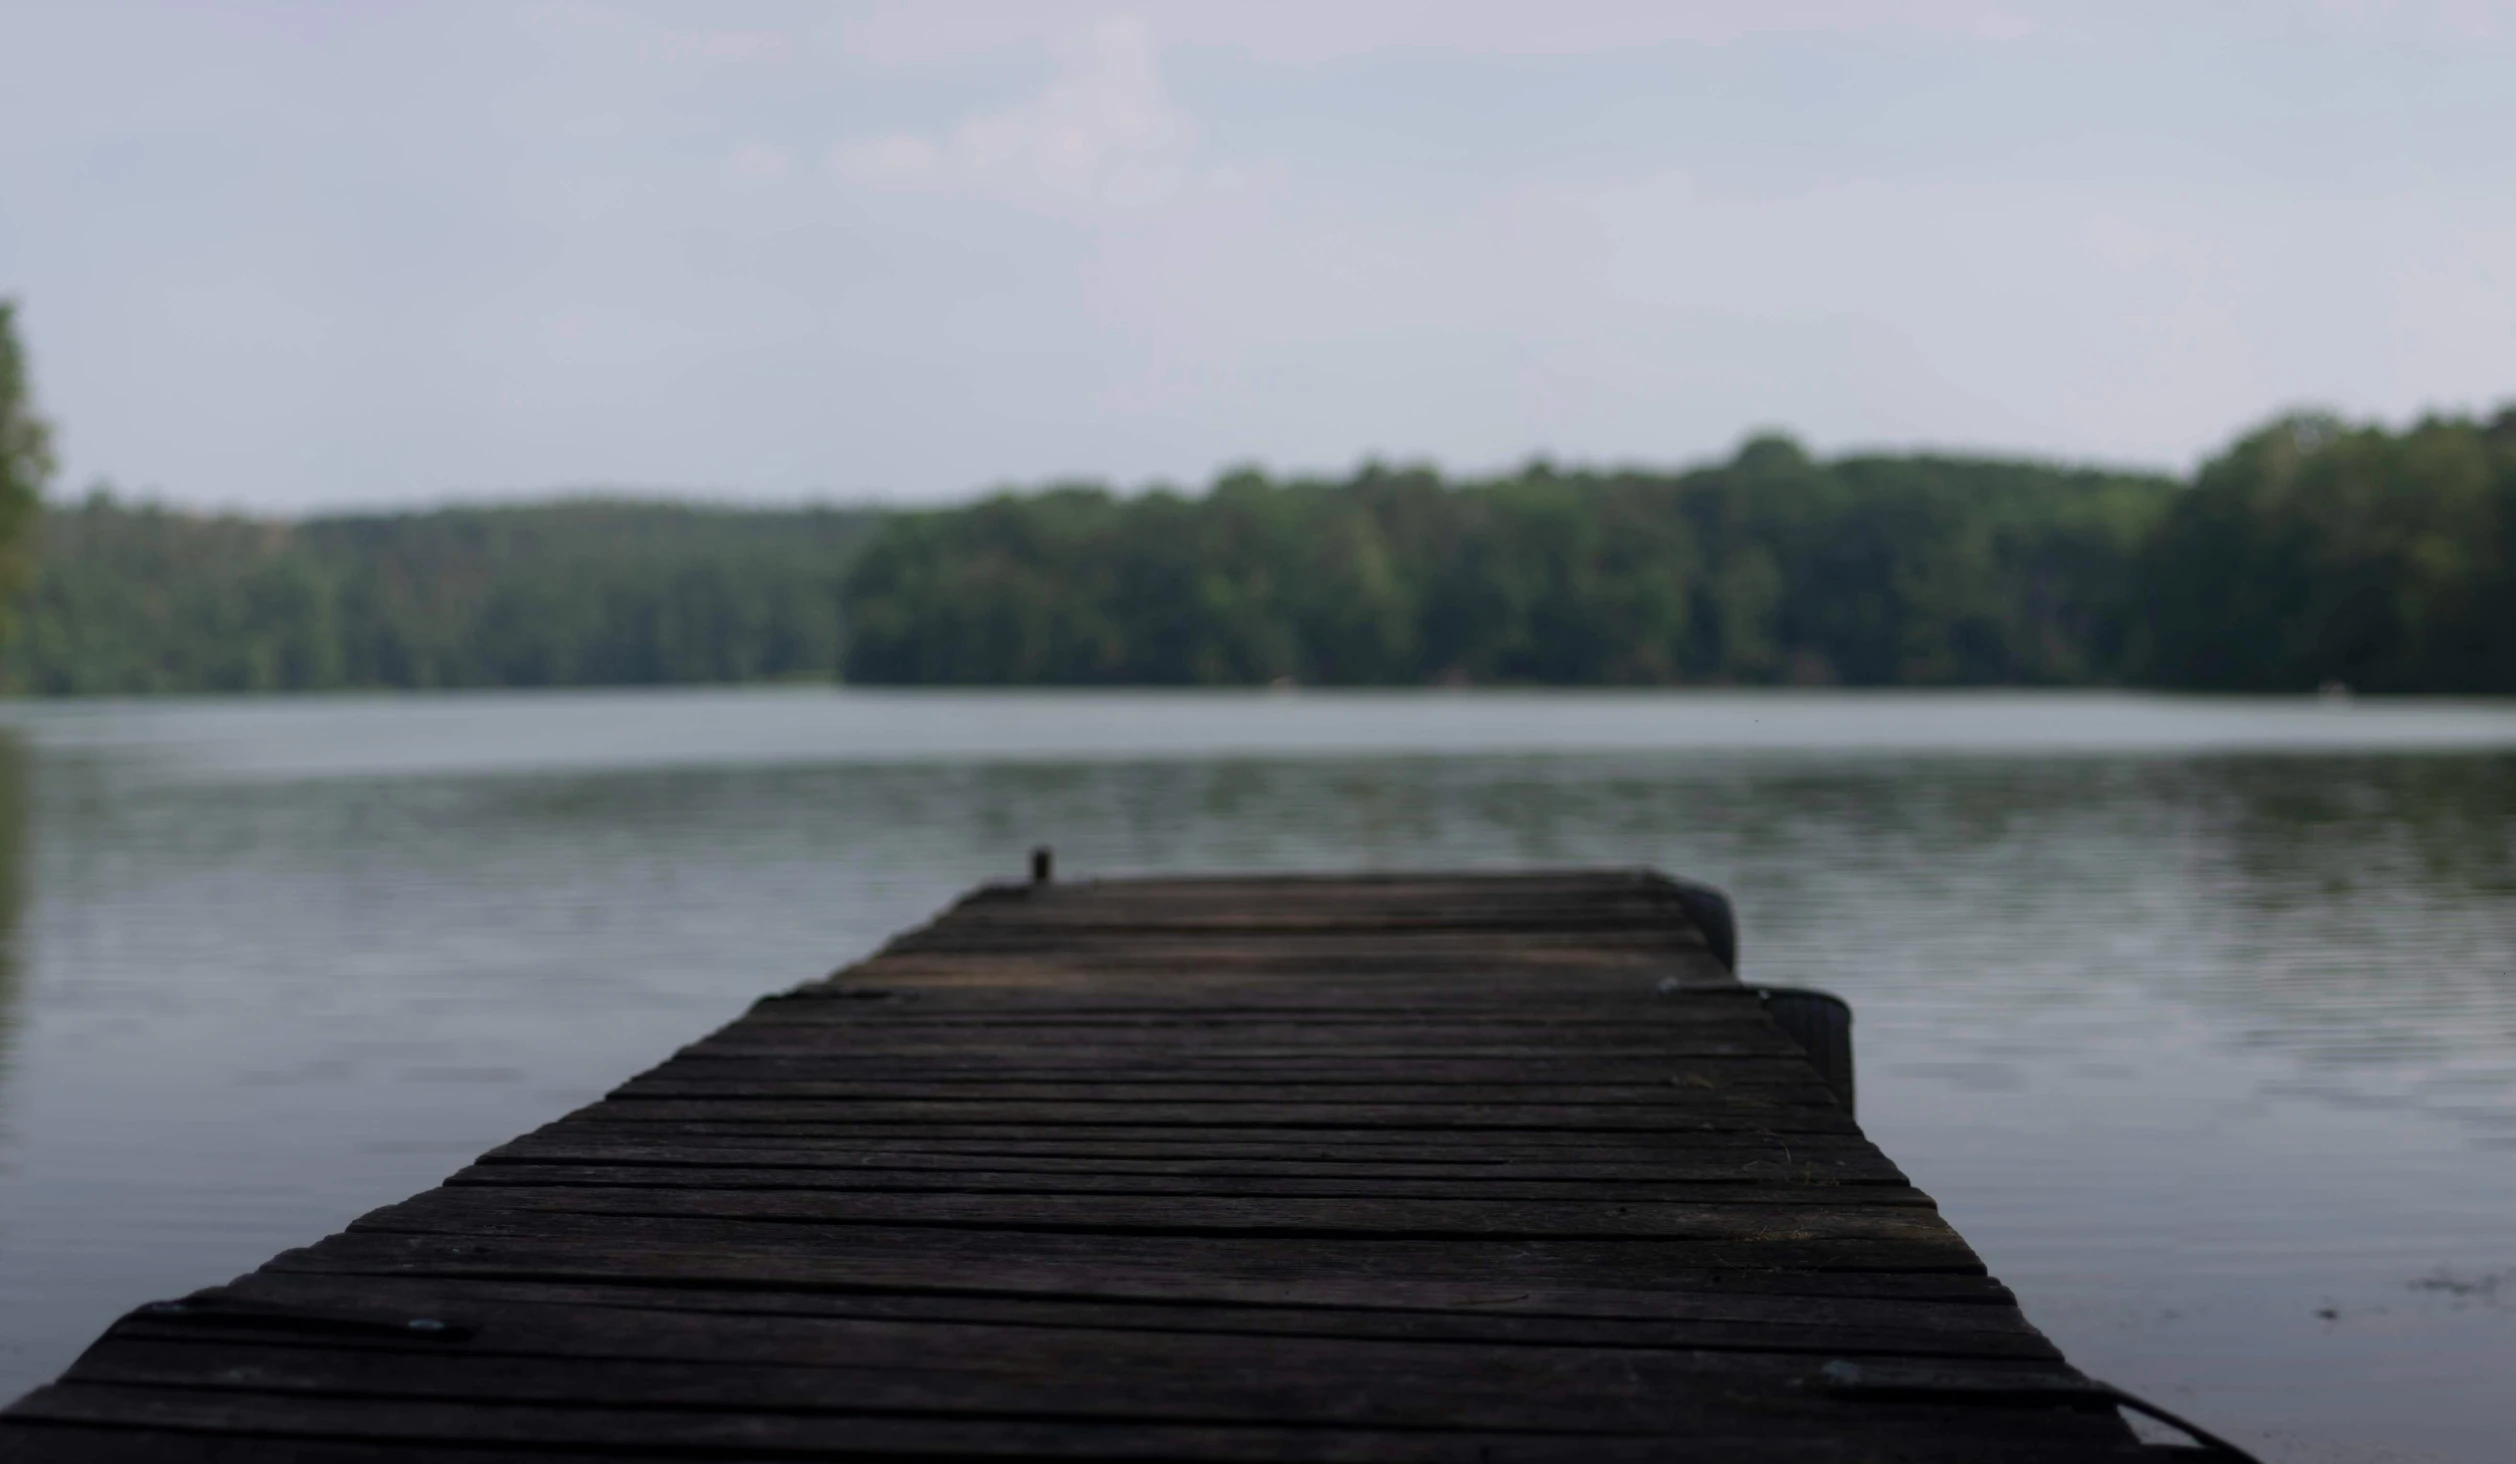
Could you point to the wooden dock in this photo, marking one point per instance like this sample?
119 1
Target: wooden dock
1360 1169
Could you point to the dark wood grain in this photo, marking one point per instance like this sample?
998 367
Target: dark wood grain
1711 1318
1382 1168
857 1179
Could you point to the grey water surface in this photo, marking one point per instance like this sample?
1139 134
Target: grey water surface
2198 1016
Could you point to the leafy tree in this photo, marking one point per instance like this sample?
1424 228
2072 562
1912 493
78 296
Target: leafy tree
26 464
2313 551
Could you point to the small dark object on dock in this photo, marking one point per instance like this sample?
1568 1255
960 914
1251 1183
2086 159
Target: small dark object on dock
1414 1168
1043 865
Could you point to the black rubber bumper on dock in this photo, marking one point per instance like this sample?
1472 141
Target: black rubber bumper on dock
1473 1168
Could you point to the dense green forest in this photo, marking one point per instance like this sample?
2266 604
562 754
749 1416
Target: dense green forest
1771 567
136 598
2310 551
2316 552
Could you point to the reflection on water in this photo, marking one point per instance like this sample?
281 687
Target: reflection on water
2211 1051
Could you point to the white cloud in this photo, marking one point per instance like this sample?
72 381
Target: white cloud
1105 131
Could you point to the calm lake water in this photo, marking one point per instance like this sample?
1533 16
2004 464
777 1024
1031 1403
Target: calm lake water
2198 1016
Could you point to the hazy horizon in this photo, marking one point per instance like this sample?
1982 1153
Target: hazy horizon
285 258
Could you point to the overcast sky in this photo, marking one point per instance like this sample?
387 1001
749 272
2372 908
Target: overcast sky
289 256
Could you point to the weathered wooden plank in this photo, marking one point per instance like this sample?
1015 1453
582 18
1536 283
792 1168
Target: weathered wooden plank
1281 1050
1137 909
1207 1000
1655 1171
24 1436
771 1365
1205 993
1684 1098
1565 942
1381 964
1646 1081
1134 982
861 1180
1281 1040
1438 1270
1749 1149
1750 1321
1584 1278
1644 1029
1791 1227
1135 919
1742 1115
1756 1152
1819 1433
868 1062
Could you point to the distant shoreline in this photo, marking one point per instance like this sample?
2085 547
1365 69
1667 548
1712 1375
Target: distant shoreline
2312 554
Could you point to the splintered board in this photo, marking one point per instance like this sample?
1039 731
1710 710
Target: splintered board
1428 1168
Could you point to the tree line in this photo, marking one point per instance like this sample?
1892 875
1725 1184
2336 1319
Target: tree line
134 598
1770 568
2310 551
